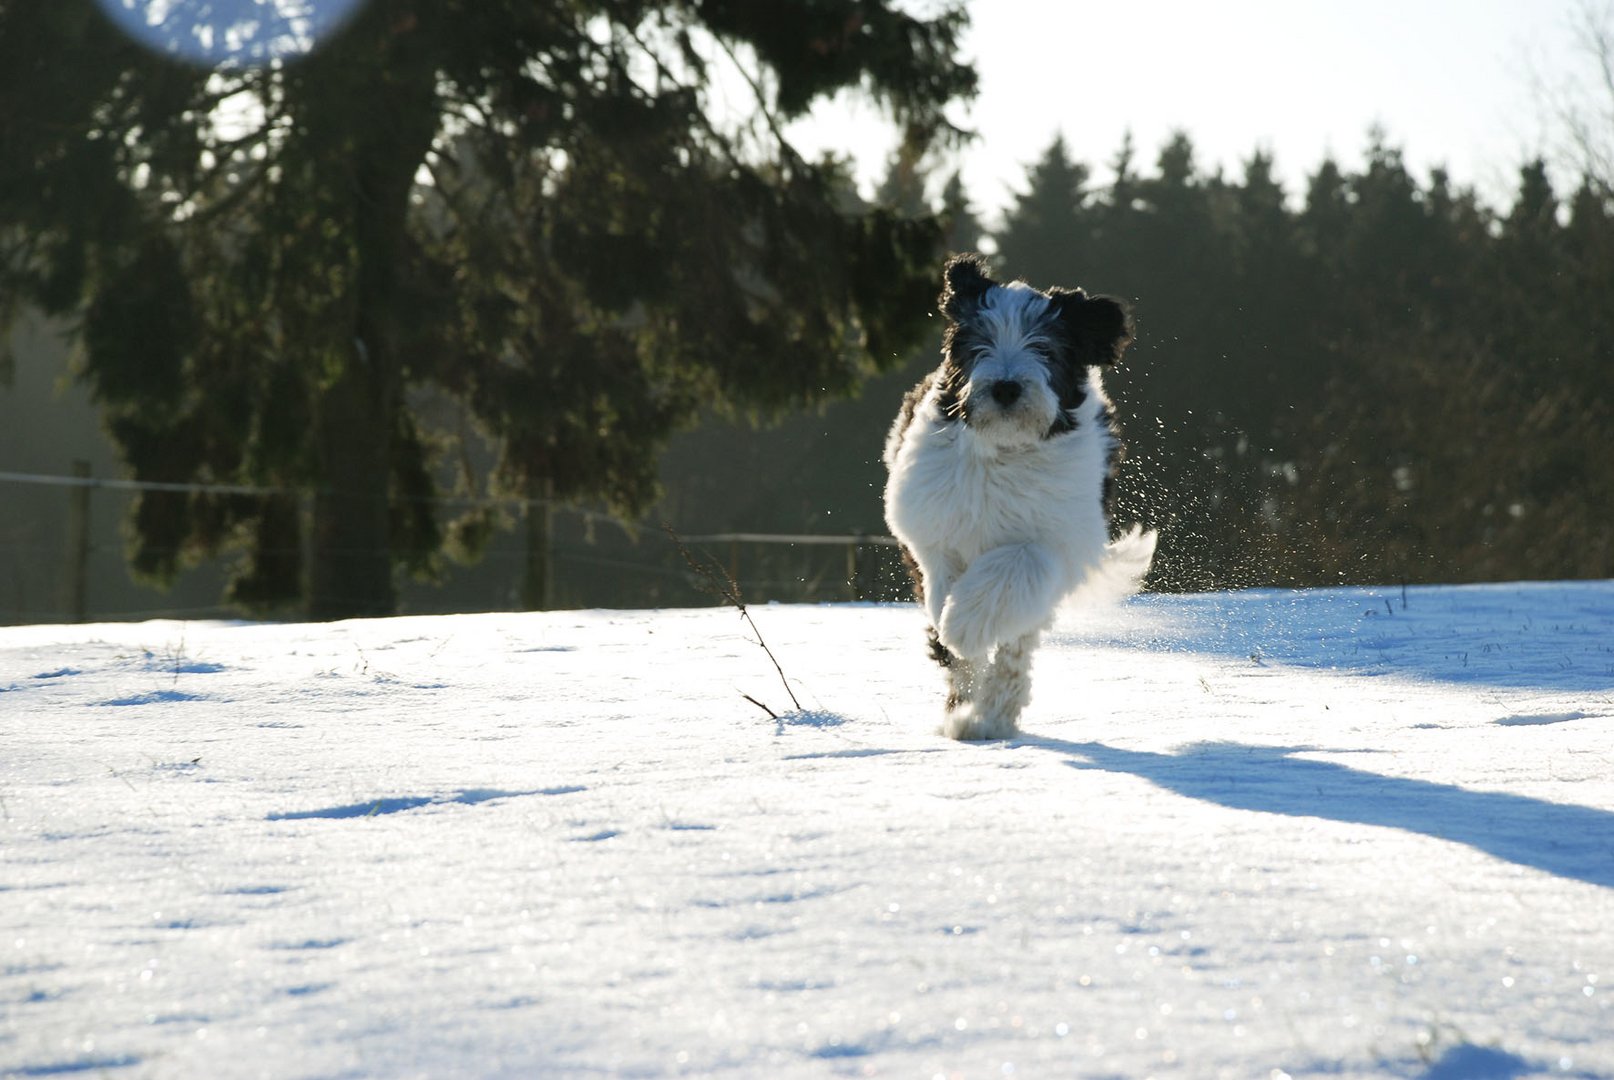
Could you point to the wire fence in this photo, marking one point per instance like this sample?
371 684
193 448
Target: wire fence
62 559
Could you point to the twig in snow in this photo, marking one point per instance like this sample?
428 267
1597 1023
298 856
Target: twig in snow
716 580
771 714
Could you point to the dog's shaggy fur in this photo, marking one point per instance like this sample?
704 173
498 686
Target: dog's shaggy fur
1000 466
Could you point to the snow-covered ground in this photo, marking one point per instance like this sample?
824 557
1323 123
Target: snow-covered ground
1333 833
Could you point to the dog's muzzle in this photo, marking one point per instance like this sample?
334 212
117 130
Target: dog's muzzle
1006 392
1009 407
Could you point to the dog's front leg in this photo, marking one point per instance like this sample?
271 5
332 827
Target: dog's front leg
1005 594
938 570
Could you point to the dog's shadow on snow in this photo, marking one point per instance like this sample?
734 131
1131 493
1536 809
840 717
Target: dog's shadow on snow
1568 841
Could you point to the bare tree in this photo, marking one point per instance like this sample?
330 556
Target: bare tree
1580 103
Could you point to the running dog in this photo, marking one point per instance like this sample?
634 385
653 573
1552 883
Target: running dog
1000 467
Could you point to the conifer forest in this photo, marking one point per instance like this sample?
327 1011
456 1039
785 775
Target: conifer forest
457 310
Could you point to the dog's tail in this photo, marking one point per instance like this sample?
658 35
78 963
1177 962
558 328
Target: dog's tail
1126 561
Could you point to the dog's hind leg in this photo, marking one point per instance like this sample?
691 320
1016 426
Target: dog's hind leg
1006 686
998 695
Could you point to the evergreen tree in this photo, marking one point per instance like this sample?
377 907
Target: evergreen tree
964 231
1325 220
1042 228
270 285
1588 267
819 469
1277 345
1530 259
903 189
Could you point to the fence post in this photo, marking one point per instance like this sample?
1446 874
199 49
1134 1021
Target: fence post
78 544
853 550
538 580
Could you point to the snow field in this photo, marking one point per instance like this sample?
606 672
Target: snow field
1245 835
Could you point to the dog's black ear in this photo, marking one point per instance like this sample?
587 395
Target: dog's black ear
1100 327
964 282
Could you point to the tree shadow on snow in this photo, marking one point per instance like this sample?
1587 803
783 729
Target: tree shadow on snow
384 806
1469 1062
1568 841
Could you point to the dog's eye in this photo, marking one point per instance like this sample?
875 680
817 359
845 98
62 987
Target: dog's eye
973 346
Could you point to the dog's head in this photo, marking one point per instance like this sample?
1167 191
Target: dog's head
1016 360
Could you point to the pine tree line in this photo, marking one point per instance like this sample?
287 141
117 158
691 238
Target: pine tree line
1380 379
1376 378
495 248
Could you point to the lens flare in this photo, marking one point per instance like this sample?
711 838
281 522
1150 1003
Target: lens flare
230 33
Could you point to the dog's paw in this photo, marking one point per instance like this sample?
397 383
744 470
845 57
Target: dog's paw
968 723
965 627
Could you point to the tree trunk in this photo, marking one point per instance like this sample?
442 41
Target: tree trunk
385 112
78 546
538 579
351 558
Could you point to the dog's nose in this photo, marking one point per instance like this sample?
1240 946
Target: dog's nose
1005 392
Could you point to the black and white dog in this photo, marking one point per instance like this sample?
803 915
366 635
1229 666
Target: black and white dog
1000 463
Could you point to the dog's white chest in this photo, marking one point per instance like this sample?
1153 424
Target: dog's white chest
947 494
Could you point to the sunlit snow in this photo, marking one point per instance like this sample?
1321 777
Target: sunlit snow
1342 833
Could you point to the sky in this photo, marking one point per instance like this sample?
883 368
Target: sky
1451 83
1460 84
